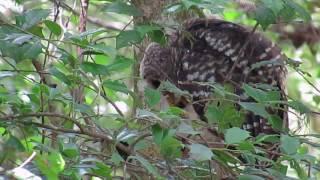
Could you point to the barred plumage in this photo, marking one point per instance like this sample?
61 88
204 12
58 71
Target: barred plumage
212 50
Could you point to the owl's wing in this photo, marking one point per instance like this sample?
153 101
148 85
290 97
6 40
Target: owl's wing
215 49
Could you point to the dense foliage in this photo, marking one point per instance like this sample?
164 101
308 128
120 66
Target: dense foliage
70 103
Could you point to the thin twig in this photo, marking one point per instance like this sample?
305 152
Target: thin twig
48 114
23 71
308 81
103 94
94 20
138 139
27 160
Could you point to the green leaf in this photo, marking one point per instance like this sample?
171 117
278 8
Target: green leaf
37 31
151 169
168 86
266 138
287 14
225 157
50 164
279 169
32 51
303 150
250 177
102 170
34 99
214 6
266 86
224 91
170 147
273 62
95 69
127 38
276 122
224 114
316 99
3 131
302 12
116 86
120 63
123 8
76 38
289 144
275 5
116 158
189 3
31 17
273 96
236 135
104 49
173 110
83 108
256 108
299 106
53 27
152 96
220 90
66 57
13 143
264 16
256 94
154 31
256 157
300 171
60 75
200 152
186 129
27 50
92 32
70 150
246 146
145 29
214 114
158 36
158 133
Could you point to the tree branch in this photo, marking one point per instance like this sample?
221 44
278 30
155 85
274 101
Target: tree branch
82 130
93 20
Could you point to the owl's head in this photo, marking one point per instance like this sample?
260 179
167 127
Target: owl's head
156 65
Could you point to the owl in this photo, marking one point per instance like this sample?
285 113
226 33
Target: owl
216 51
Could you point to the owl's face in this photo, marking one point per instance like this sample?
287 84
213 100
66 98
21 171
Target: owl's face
156 65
